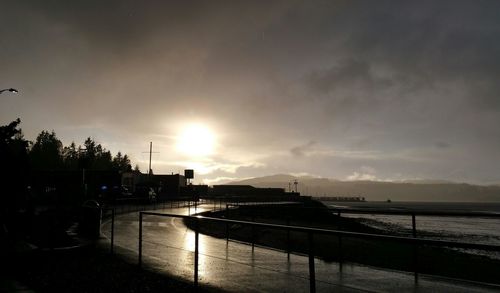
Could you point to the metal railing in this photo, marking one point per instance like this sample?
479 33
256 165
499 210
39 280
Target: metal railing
128 207
414 214
112 239
367 211
121 209
416 242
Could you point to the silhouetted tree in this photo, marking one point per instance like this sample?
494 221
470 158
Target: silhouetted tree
13 150
14 179
95 157
89 149
46 153
104 160
28 176
70 156
121 162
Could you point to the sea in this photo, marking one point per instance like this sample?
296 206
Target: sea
462 229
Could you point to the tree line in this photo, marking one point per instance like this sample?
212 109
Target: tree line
46 173
28 168
47 152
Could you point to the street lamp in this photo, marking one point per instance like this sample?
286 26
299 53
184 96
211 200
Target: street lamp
12 90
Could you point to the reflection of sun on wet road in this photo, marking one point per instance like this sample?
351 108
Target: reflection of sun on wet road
168 245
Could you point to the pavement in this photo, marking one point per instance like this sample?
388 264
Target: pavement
168 246
10 285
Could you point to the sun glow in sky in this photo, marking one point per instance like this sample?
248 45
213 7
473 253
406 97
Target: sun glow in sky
244 89
196 140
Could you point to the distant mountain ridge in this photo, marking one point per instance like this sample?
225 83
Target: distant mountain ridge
414 190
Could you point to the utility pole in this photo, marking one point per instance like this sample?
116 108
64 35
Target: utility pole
150 154
84 185
150 171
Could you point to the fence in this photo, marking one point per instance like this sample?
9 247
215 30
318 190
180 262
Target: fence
311 232
414 214
129 208
411 213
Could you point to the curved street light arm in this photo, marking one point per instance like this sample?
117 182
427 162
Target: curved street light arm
12 90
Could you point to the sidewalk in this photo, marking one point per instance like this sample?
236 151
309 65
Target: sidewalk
10 285
168 246
85 269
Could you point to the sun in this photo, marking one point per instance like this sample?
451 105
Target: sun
196 140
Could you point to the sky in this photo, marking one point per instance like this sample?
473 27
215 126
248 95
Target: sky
352 90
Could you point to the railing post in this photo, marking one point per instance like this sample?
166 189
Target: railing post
414 225
253 234
340 248
415 247
112 229
227 225
288 239
196 252
140 239
312 272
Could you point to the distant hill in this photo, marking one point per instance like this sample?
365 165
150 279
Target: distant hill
422 190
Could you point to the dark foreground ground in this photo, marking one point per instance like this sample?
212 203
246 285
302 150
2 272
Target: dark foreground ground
89 269
386 254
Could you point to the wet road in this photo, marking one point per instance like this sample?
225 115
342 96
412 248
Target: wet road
168 245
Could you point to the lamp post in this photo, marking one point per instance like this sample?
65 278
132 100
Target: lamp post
84 184
12 90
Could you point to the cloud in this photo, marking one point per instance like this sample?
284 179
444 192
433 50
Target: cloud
364 173
304 174
367 169
302 150
442 145
360 176
350 72
338 84
221 180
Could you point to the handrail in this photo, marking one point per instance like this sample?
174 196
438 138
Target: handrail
112 240
416 212
412 213
310 234
411 240
375 211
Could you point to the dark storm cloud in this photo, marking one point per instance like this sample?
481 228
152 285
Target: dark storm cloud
442 144
126 25
352 72
301 150
118 24
419 45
